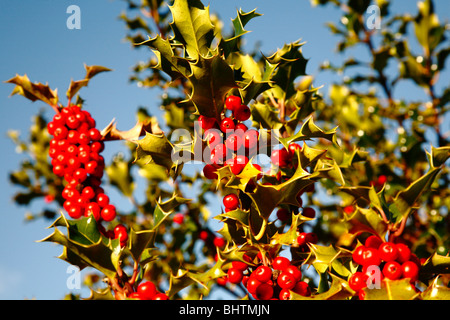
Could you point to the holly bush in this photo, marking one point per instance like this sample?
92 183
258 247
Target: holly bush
334 194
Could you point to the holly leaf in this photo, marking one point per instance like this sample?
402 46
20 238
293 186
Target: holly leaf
391 290
139 242
291 64
308 131
406 200
327 258
436 264
75 86
84 246
164 209
142 126
231 44
438 156
212 78
103 294
289 237
157 149
192 27
436 291
338 290
185 278
168 62
33 91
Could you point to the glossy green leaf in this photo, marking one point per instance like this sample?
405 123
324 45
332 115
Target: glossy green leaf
211 80
391 290
192 27
168 62
83 246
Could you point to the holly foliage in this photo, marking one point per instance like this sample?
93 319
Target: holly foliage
368 162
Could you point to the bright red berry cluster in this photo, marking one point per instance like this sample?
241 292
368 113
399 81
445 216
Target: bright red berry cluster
147 290
230 141
394 261
75 150
269 282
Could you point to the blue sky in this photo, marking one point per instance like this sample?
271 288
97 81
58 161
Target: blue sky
36 42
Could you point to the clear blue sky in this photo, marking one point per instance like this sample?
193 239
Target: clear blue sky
35 41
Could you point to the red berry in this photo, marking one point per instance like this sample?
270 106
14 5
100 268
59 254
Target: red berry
60 132
72 122
392 270
213 137
232 102
388 251
206 122
241 127
284 294
75 212
108 213
279 263
263 273
404 253
233 142
97 146
239 265
219 242
306 237
219 154
235 275
263 292
283 214
120 232
93 209
349 209
302 288
373 242
231 201
178 218
381 179
135 295
286 280
94 134
294 271
242 113
227 125
252 284
410 270
250 139
370 257
309 212
203 235
294 147
88 193
280 158
357 254
237 164
102 200
357 281
147 290
161 296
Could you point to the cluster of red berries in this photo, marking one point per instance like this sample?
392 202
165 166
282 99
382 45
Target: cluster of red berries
147 290
75 150
229 142
394 261
269 282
